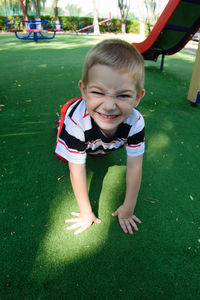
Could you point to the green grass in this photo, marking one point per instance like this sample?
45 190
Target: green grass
39 258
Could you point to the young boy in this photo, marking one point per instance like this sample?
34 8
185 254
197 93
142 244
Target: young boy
102 120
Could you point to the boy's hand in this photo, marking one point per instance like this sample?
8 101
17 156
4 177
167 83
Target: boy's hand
83 221
126 219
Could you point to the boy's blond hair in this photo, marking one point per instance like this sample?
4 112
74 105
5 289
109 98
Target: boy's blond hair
119 55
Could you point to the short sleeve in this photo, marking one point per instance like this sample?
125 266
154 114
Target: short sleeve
71 143
135 145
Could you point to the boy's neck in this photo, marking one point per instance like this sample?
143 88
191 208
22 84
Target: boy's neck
109 133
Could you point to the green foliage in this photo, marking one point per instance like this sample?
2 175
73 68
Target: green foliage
132 26
2 23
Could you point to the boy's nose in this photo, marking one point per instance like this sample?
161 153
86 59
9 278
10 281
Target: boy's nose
109 104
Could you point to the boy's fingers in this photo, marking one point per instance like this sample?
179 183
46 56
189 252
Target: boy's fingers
75 214
115 213
74 220
123 226
74 226
128 226
97 221
137 220
83 228
133 224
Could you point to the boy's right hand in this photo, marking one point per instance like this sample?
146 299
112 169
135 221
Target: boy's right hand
83 221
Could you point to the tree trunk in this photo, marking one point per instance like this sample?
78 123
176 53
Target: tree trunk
142 20
56 11
124 9
95 20
123 27
36 6
26 10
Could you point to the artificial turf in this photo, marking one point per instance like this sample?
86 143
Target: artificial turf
39 258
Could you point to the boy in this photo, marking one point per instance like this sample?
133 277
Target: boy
103 120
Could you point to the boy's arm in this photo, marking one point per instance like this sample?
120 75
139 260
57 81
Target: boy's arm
125 212
79 183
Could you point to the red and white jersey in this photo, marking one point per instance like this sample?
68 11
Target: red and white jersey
80 135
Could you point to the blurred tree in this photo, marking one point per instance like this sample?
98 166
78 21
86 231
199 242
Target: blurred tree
153 9
73 10
36 5
124 6
25 4
56 11
13 7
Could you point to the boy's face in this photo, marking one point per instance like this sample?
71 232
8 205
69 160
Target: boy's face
110 97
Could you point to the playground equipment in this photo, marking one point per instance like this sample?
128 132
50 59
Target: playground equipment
32 29
90 27
179 21
194 89
36 30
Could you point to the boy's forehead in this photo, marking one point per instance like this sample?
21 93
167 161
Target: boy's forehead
101 68
105 72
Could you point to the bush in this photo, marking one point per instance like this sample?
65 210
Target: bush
132 26
2 23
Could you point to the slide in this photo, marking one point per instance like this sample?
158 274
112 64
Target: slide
179 21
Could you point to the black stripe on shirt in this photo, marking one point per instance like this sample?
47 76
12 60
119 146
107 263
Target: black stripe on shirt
136 138
104 150
95 133
71 141
74 108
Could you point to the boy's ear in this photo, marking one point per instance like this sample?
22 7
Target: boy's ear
82 88
139 96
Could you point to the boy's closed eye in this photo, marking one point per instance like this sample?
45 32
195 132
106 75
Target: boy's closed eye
124 96
97 93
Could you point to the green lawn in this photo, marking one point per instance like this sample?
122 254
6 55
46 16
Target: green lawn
40 260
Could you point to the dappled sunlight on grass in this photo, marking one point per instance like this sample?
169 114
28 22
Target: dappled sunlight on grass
20 133
184 56
60 247
42 66
159 142
65 41
31 123
167 125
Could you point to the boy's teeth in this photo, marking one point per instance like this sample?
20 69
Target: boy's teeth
109 116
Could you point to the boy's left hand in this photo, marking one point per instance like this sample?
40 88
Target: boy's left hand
126 219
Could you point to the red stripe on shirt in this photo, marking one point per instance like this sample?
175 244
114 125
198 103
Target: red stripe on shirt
71 151
73 121
86 113
135 146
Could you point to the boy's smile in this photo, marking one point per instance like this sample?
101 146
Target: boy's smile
110 97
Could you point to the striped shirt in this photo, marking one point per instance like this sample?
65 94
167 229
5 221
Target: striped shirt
80 135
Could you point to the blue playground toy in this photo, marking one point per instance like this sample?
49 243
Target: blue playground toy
32 29
35 30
